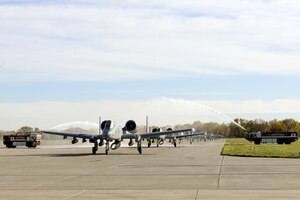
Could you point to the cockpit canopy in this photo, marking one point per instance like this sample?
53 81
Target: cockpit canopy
107 124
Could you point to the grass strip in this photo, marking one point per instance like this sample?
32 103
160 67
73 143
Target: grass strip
241 147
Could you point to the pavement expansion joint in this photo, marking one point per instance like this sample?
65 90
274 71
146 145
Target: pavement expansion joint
196 194
220 173
74 195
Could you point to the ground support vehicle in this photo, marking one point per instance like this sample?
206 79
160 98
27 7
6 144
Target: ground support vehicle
285 137
31 140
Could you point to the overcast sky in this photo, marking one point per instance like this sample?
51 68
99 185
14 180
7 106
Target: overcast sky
63 61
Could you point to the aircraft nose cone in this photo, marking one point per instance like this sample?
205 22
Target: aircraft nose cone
107 134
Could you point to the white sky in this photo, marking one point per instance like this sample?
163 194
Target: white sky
133 39
107 41
161 111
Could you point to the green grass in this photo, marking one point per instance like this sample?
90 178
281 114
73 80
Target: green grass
241 147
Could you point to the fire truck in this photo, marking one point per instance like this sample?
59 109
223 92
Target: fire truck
265 137
28 139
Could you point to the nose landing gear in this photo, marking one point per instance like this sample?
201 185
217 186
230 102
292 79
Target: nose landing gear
106 147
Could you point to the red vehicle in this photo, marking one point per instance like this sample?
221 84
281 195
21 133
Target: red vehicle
31 140
281 137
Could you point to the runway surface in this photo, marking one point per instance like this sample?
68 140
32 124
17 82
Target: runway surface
195 171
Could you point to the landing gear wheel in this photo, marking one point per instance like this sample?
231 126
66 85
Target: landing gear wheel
287 141
149 144
10 145
257 141
94 150
106 151
175 144
139 147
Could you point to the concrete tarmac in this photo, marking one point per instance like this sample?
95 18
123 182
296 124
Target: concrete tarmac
195 171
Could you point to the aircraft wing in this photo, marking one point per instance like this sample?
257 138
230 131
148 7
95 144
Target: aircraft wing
77 135
183 136
154 134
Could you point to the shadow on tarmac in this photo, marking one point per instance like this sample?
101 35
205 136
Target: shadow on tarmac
75 155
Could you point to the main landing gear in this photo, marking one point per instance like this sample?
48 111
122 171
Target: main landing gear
149 143
95 147
139 147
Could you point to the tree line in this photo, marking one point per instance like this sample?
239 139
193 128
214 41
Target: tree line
231 130
225 129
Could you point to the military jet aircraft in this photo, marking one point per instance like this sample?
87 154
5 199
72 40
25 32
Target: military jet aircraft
110 132
172 138
192 137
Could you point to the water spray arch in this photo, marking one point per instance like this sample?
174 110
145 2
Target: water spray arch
75 124
193 103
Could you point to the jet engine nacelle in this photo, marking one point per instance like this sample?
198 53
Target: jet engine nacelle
156 130
130 126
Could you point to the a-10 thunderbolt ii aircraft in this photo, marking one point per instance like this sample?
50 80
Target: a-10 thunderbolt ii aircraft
110 132
172 138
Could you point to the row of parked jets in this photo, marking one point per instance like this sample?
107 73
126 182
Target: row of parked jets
111 135
160 140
